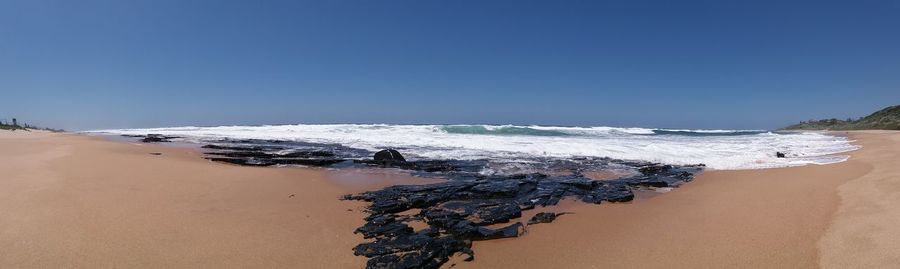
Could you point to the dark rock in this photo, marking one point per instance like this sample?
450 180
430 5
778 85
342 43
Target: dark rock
610 192
655 181
544 217
463 208
505 232
157 138
497 188
241 148
384 226
779 154
479 212
655 169
433 166
258 156
266 155
389 156
406 242
257 152
431 255
240 161
278 161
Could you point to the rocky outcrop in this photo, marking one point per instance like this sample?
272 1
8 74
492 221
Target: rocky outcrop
544 217
388 156
269 156
153 138
464 208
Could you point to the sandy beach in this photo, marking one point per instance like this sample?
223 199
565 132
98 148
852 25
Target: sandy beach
77 201
449 134
71 200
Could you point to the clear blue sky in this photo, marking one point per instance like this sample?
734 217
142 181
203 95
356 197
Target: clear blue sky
692 64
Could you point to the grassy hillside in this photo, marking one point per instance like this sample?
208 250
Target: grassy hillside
885 119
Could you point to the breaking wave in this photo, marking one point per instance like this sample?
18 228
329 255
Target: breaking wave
718 149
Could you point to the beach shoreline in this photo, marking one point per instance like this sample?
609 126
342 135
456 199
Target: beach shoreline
83 201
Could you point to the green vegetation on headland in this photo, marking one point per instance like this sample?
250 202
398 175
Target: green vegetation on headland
885 119
11 127
14 125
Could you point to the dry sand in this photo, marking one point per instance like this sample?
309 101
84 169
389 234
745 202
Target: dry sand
866 227
76 201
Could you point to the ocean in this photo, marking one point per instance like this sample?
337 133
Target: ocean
717 149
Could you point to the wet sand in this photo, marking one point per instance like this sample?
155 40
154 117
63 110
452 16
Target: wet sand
76 201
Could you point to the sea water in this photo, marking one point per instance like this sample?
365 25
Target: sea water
717 149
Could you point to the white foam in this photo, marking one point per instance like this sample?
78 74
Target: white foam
711 131
723 152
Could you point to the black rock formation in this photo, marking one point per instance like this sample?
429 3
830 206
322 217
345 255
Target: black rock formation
779 154
256 152
388 156
265 156
465 207
156 138
433 166
544 217
242 148
276 161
